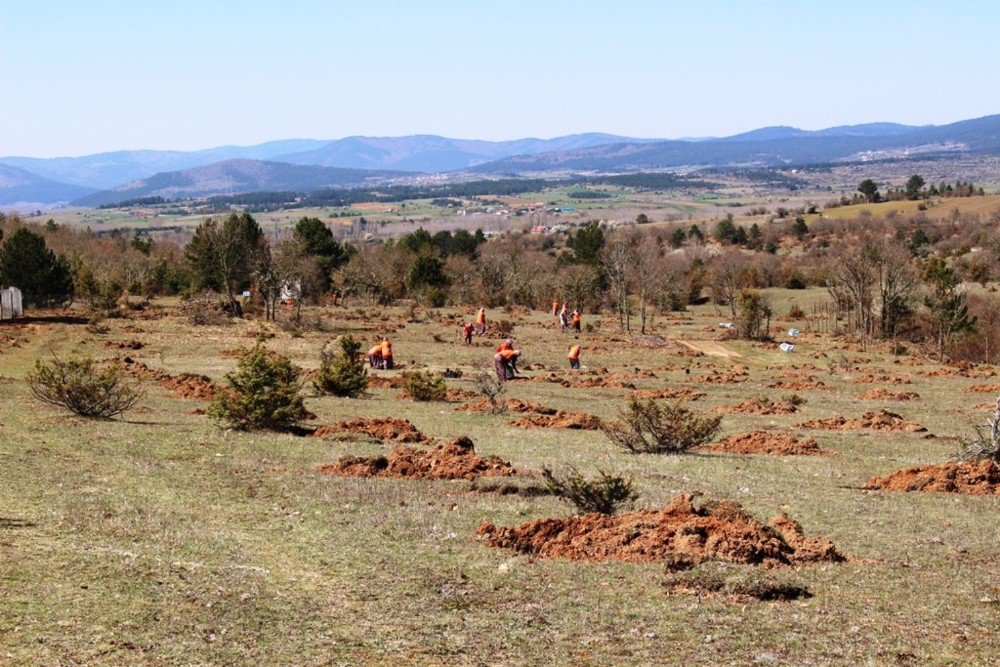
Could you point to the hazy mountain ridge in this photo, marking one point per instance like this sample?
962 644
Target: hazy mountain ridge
776 146
18 186
234 177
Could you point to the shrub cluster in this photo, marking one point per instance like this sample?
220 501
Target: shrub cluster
605 495
649 427
82 388
423 386
263 393
342 373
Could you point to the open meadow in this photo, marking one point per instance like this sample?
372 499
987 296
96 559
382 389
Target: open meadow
162 538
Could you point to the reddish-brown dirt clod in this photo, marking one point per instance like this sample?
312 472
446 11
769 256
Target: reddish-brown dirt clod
973 477
607 382
561 419
881 420
798 385
510 405
386 430
869 378
453 460
185 385
680 534
984 389
124 345
669 394
767 442
733 377
884 394
759 407
793 375
453 395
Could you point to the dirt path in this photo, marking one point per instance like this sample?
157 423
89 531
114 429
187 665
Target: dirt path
710 348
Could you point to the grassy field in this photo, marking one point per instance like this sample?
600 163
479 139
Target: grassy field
163 539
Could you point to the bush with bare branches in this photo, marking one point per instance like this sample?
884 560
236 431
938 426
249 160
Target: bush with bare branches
653 428
83 389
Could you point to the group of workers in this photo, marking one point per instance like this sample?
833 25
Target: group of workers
380 356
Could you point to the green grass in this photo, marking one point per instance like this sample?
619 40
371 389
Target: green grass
164 539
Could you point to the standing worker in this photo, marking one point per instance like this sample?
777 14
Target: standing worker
563 314
576 320
481 321
386 354
467 333
555 307
574 357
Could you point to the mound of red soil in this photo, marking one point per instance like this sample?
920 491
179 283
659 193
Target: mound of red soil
881 420
185 385
386 430
561 419
869 378
974 477
798 385
670 394
884 394
124 345
511 405
608 381
759 407
452 395
232 353
793 375
732 377
766 442
680 534
984 389
453 460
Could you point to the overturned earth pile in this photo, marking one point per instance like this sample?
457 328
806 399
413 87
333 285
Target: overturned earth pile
798 385
669 394
984 389
765 442
560 419
508 405
382 382
870 378
882 393
732 377
680 534
386 430
973 477
881 420
185 385
759 406
452 460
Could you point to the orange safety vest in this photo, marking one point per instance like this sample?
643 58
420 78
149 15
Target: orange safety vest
507 353
481 316
375 350
386 349
576 317
574 352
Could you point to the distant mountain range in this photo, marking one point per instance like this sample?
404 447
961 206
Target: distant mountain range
306 164
236 176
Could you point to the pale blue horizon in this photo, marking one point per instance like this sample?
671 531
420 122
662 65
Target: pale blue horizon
108 75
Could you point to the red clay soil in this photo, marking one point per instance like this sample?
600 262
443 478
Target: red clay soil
607 381
732 377
793 375
881 420
124 345
869 378
670 394
680 534
798 385
386 430
453 460
759 407
984 389
561 419
973 477
883 394
767 442
185 385
510 405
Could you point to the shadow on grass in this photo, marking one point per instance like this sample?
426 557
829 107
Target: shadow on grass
7 522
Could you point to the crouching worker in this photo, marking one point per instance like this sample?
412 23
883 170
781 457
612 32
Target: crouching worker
574 357
386 354
506 363
375 356
467 333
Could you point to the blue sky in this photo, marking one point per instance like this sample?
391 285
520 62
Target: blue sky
83 77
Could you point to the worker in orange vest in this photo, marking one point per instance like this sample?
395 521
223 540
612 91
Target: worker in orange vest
386 354
467 333
375 356
555 308
481 321
576 320
574 357
506 363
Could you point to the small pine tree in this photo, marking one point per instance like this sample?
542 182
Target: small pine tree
343 373
421 386
263 393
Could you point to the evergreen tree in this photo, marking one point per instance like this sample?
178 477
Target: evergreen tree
28 264
587 244
946 303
